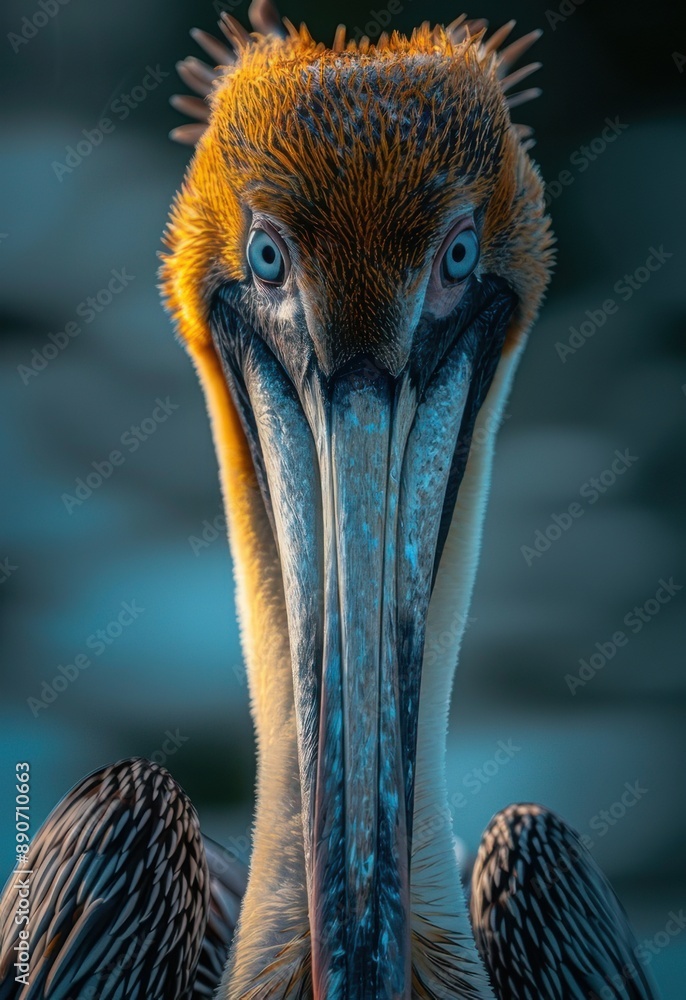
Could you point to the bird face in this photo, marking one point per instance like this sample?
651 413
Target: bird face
359 244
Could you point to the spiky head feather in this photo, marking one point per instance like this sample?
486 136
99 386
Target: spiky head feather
360 149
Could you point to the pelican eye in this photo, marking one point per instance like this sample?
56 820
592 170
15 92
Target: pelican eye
461 257
267 257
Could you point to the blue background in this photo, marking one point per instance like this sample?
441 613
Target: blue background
177 667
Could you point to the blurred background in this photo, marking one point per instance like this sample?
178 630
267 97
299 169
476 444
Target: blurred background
130 569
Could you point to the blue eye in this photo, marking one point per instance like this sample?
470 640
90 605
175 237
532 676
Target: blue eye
266 258
461 257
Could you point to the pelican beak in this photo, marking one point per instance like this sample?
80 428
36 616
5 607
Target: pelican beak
360 469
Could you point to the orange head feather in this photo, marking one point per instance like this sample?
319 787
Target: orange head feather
362 151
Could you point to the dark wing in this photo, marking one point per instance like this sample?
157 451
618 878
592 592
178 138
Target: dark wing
547 922
228 877
118 895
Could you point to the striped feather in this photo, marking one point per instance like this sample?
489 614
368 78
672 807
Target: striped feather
119 893
228 877
547 922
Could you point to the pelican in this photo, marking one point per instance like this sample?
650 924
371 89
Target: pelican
354 261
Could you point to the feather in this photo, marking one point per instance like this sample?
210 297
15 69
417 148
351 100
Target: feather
499 36
513 79
510 55
559 919
191 75
265 18
215 49
187 135
90 914
462 29
234 31
523 96
194 107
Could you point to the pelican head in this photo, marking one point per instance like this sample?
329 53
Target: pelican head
355 258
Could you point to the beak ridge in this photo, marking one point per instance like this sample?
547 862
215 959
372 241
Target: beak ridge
358 469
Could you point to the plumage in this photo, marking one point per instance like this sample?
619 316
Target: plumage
187 135
194 107
339 39
98 920
215 49
513 79
265 18
514 100
228 876
126 897
546 920
234 31
195 75
353 263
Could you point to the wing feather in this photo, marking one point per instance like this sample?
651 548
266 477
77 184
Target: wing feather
228 878
547 922
119 896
